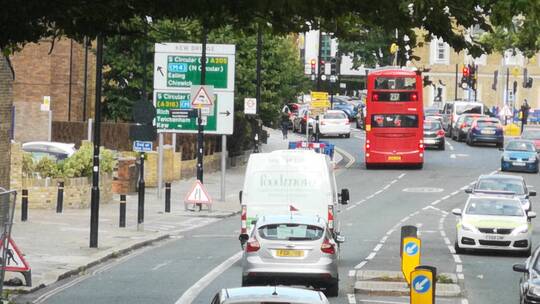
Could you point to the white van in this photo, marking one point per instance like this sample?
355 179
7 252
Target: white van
285 181
453 109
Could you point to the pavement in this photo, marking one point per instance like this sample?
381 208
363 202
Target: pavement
56 245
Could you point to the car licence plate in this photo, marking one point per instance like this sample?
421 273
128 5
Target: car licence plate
429 141
494 237
289 253
394 157
394 96
519 164
488 132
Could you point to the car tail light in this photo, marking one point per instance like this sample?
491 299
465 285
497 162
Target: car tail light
253 245
243 220
414 97
322 123
463 125
331 217
328 247
375 97
347 122
440 133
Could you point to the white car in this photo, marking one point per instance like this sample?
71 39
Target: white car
335 122
56 150
269 294
495 223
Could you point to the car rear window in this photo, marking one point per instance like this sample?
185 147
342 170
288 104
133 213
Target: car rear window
334 116
494 206
487 123
430 125
394 121
291 232
500 184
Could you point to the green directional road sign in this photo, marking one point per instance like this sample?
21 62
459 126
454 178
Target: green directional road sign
167 121
185 71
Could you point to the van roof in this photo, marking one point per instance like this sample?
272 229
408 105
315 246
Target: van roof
293 218
293 157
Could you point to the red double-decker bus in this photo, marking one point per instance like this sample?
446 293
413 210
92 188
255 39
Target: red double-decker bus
394 118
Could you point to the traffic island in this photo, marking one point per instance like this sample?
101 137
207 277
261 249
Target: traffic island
392 283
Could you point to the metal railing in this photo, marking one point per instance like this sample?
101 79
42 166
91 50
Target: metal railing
7 210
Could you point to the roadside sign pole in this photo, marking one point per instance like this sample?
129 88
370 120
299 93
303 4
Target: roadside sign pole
223 165
200 129
160 164
140 211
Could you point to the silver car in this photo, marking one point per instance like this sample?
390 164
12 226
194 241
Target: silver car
254 295
291 250
504 184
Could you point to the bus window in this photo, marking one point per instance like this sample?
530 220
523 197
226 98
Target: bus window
394 121
395 83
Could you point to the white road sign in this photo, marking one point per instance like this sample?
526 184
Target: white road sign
250 106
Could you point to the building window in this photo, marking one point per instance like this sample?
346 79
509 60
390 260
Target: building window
513 59
440 52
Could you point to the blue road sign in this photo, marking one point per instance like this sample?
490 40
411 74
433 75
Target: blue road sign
421 284
411 248
142 146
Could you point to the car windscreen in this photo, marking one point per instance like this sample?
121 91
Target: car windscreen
494 206
394 121
395 83
501 184
334 116
432 125
487 123
291 232
520 146
468 109
531 134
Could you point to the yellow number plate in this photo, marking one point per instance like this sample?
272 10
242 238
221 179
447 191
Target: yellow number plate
394 157
290 253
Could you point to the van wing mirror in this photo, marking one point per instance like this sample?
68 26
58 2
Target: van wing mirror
344 197
240 196
532 193
468 190
519 268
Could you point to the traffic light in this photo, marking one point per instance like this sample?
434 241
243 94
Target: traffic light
472 76
313 63
527 81
333 66
465 77
321 67
495 76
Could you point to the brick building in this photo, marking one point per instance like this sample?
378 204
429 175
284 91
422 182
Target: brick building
59 75
6 98
442 60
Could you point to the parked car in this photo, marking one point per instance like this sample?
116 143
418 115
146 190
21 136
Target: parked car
335 122
452 109
504 184
529 285
461 127
532 133
269 294
56 150
292 250
343 103
299 121
432 111
485 130
520 155
433 134
495 223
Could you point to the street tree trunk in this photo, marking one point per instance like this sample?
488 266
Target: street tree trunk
6 104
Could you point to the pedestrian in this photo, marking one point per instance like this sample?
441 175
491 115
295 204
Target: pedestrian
525 108
285 122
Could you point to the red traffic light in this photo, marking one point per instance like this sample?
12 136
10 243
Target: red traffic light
465 72
313 61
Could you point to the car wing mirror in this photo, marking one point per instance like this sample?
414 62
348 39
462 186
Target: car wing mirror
456 211
468 190
532 193
344 197
531 214
243 238
340 239
519 268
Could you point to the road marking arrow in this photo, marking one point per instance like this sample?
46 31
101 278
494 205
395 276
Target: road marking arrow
420 285
160 70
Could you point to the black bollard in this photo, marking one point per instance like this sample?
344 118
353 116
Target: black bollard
60 198
167 197
24 207
122 210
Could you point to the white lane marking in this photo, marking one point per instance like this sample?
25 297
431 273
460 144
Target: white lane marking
360 265
393 181
382 302
452 250
384 239
401 175
447 241
494 172
371 256
457 259
405 219
461 276
351 298
348 155
378 192
350 207
445 197
352 273
459 268
464 188
158 266
436 202
454 193
389 231
377 248
193 291
386 187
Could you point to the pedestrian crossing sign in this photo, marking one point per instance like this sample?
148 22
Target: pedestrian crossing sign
198 195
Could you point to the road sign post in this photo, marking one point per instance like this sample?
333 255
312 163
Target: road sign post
422 287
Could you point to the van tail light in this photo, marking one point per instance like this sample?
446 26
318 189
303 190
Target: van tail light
414 97
328 247
253 245
331 217
243 220
440 133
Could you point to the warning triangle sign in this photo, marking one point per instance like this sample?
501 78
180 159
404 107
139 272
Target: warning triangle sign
14 259
201 98
198 195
